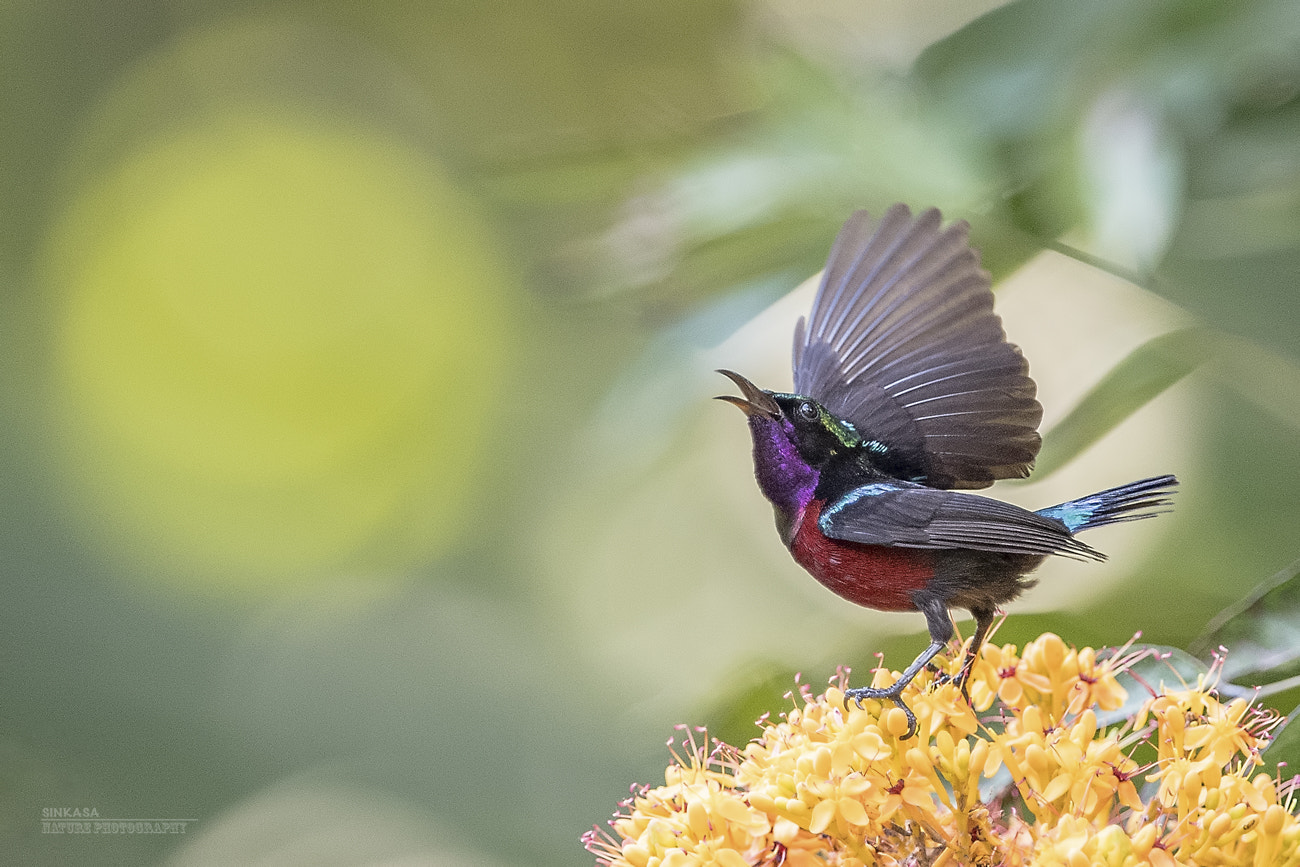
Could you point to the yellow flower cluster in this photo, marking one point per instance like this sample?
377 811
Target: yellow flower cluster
1032 780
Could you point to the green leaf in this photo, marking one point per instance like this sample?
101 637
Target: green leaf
1142 679
788 242
757 690
1144 374
1261 632
1285 749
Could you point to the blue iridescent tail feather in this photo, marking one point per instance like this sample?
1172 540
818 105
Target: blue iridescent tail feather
1134 501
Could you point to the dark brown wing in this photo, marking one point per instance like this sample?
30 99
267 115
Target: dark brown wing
902 341
913 516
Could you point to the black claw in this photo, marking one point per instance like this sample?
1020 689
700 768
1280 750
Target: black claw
893 693
911 718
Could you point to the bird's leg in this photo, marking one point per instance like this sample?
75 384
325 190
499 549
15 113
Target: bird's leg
936 617
895 692
983 622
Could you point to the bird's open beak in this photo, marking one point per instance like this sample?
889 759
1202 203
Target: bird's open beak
755 402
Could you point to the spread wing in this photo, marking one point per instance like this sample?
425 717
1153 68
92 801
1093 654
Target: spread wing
913 516
902 341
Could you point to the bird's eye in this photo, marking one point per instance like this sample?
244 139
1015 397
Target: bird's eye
807 411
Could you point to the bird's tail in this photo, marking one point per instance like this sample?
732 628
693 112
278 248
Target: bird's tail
1144 499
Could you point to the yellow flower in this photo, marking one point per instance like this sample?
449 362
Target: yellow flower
830 784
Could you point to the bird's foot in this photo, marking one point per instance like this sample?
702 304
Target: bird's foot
893 693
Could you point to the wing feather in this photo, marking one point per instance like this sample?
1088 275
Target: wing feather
902 341
915 516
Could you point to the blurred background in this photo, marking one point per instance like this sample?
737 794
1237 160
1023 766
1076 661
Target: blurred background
362 498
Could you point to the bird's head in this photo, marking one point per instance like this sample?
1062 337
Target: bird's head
814 433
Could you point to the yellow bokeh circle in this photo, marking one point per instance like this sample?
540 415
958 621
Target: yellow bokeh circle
279 343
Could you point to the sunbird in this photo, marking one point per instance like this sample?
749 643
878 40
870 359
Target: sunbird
906 394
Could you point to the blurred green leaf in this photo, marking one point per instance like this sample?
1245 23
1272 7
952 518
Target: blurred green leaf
1144 374
1216 115
1251 294
757 691
791 243
1283 754
1167 665
1237 249
1261 632
765 203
